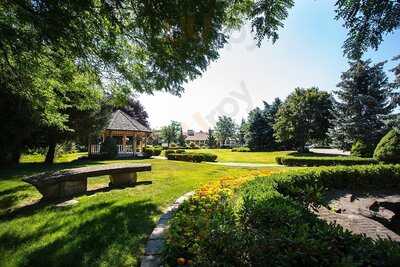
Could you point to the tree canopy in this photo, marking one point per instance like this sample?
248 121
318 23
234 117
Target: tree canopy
171 132
303 117
225 128
367 21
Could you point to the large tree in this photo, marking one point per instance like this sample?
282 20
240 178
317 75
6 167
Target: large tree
363 102
124 46
171 132
136 110
303 117
243 131
225 128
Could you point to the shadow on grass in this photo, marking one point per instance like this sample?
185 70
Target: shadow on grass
108 234
23 169
42 203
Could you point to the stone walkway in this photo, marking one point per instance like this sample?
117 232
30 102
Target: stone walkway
155 244
358 224
235 164
353 212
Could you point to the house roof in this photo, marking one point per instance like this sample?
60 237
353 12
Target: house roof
199 136
121 121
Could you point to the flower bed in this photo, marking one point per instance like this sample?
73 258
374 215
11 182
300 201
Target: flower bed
267 222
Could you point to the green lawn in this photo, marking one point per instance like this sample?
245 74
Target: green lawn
105 228
226 155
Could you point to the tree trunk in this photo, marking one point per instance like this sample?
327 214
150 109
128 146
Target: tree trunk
50 153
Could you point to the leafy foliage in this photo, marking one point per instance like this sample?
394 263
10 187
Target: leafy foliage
136 110
388 149
368 22
364 100
170 133
225 128
303 117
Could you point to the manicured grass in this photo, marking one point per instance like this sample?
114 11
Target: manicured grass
105 228
226 155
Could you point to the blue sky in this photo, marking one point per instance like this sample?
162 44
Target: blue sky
308 53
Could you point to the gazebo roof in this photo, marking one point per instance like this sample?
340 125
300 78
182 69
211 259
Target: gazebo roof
120 121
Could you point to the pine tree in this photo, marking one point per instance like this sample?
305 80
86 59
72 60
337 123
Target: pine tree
260 127
181 139
211 141
364 101
243 133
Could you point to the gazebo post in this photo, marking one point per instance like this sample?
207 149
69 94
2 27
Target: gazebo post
123 142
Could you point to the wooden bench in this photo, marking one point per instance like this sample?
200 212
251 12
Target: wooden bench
66 183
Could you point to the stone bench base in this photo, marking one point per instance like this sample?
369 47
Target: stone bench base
123 179
72 188
63 189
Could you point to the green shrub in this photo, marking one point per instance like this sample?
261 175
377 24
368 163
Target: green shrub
241 149
361 149
152 151
174 151
193 146
109 148
323 161
192 157
269 223
388 149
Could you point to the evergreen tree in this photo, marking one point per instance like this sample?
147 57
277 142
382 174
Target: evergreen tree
260 127
211 140
260 130
181 139
243 133
364 100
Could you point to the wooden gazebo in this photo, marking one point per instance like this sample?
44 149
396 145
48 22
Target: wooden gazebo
131 136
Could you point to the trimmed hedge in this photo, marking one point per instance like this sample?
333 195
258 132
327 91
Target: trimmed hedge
388 149
323 161
241 149
192 157
152 151
268 223
174 151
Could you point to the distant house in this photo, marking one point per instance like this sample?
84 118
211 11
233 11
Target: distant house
131 136
197 138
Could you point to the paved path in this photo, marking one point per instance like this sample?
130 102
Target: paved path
155 244
330 151
244 164
358 224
